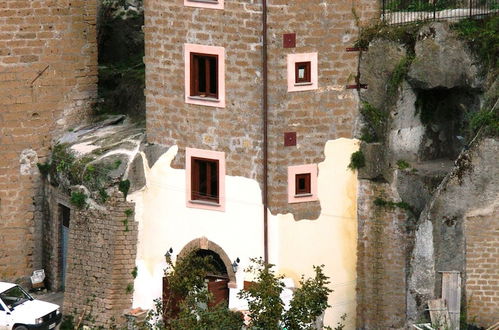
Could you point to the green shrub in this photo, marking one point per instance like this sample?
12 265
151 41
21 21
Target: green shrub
402 164
78 199
124 186
357 160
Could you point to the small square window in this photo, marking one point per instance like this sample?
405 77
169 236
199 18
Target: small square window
205 174
302 183
302 73
204 75
204 180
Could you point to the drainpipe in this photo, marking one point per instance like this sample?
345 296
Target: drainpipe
265 133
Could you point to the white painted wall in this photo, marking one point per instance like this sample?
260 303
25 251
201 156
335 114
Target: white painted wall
165 221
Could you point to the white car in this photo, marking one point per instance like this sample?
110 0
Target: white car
20 311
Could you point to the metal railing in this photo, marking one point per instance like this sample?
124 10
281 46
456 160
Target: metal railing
406 11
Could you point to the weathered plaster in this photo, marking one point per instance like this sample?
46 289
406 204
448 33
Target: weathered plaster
295 246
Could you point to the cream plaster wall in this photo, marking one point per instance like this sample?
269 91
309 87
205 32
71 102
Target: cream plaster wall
331 239
165 221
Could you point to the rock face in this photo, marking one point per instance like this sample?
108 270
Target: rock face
376 67
423 115
442 60
440 243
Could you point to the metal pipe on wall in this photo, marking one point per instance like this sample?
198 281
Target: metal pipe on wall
265 131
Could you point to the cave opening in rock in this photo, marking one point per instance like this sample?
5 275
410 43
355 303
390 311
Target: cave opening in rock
445 114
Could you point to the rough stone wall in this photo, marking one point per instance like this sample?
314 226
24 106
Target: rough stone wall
101 258
440 241
48 75
482 266
382 252
317 116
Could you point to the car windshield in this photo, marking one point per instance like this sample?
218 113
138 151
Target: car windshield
14 296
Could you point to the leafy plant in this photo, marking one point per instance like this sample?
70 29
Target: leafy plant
357 160
129 288
404 34
264 302
487 120
309 301
399 74
375 118
402 164
390 204
187 304
103 195
135 272
44 168
367 136
483 38
124 186
78 199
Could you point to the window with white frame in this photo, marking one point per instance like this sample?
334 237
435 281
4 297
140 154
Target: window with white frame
205 176
302 183
302 72
204 75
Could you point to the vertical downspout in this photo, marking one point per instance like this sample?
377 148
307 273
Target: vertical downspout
265 133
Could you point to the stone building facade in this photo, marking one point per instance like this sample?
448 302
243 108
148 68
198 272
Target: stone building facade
325 112
48 76
311 116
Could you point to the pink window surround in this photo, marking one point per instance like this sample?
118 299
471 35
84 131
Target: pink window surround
208 154
208 50
210 4
314 76
302 169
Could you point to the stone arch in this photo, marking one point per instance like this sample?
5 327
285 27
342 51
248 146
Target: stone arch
205 244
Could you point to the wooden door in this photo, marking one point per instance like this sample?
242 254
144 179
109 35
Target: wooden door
220 291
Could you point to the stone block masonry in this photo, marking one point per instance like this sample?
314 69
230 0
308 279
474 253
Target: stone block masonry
48 76
101 258
482 267
382 251
317 116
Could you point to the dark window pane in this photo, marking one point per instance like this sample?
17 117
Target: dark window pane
213 76
204 179
202 76
301 183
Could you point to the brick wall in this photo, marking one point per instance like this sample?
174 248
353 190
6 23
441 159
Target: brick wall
326 27
101 258
317 116
482 268
48 75
383 248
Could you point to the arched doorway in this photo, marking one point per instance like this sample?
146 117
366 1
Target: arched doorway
218 281
204 244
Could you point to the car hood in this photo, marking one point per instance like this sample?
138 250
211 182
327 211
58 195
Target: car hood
33 309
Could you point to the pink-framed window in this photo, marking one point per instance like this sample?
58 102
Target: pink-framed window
303 72
210 4
302 183
204 75
205 179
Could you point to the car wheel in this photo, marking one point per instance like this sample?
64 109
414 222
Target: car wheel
20 327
